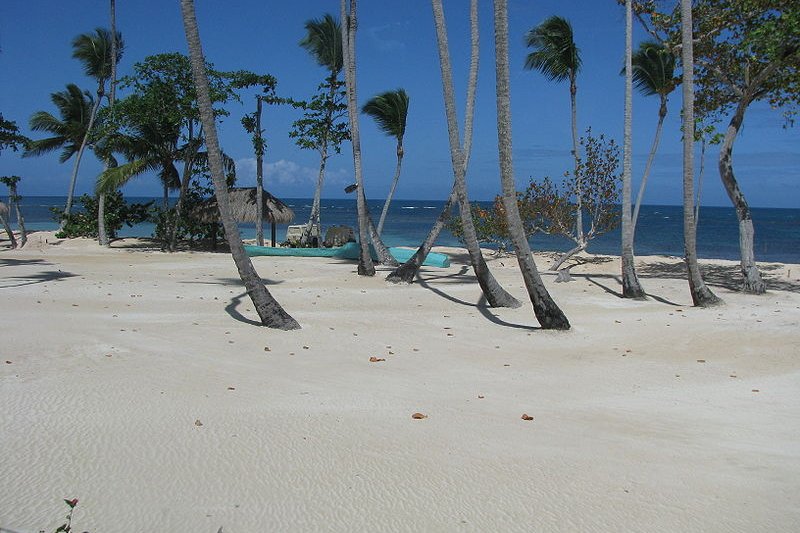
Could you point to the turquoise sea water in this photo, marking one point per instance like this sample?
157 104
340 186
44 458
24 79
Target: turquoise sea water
659 230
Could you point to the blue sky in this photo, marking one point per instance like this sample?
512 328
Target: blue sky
396 47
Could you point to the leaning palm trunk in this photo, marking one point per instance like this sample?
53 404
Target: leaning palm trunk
495 294
76 166
409 270
752 283
381 251
13 198
392 188
349 21
4 212
547 312
269 310
701 295
631 288
662 113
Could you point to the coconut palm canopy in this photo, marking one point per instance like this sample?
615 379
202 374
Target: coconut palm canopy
243 206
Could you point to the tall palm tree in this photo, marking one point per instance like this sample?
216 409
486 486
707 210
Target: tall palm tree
547 312
494 293
557 57
653 68
68 131
365 265
269 310
701 295
631 288
13 200
390 110
102 235
323 40
94 52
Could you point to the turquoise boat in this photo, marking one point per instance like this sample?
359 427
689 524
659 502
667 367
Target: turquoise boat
348 251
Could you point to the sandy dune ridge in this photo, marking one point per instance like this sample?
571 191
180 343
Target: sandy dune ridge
136 381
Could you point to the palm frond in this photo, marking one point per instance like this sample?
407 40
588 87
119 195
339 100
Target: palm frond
113 178
43 146
323 40
93 50
653 69
390 110
554 51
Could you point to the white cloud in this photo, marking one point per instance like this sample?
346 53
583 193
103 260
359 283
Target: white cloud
285 172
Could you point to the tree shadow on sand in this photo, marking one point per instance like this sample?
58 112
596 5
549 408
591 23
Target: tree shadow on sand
8 282
724 276
463 277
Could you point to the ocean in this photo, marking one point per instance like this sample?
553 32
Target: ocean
659 229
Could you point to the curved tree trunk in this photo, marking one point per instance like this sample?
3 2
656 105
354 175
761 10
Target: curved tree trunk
566 255
23 234
494 293
753 283
662 113
631 288
701 295
547 312
269 310
349 23
381 251
6 226
393 187
78 156
408 271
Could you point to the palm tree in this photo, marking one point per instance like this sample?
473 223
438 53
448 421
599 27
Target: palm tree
13 199
701 295
269 310
323 40
94 52
68 132
494 293
547 312
631 288
365 265
102 235
557 57
390 110
653 67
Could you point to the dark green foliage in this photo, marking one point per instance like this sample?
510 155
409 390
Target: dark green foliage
323 126
654 69
10 137
389 110
93 50
117 213
74 108
555 54
323 40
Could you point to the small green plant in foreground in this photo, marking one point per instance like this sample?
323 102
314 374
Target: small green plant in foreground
66 527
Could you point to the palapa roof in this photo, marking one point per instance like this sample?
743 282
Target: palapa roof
3 209
243 207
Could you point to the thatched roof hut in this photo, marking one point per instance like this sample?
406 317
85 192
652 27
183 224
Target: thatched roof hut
243 206
3 210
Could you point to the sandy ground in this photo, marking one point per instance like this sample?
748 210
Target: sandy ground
137 382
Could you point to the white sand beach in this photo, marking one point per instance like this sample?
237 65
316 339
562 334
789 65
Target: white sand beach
137 382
